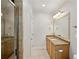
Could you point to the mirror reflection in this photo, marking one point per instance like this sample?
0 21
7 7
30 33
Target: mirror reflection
61 25
7 30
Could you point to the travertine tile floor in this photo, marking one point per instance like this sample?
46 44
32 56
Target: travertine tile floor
20 51
12 57
37 53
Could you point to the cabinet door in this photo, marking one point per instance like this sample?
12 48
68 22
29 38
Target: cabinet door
62 52
49 47
47 44
7 48
53 52
3 51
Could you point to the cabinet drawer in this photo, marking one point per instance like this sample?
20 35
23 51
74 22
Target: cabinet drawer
62 52
53 51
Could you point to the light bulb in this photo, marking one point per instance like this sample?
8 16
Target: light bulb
43 5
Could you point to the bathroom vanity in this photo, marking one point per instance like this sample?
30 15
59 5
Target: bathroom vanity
7 47
57 48
58 43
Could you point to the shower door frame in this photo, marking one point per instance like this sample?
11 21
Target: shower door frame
16 30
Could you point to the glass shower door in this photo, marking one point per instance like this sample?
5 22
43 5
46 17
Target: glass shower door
9 31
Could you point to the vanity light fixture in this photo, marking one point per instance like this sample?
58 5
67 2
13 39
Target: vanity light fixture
63 14
12 2
55 16
59 15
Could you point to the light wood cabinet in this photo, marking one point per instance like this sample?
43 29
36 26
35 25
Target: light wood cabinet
60 52
7 47
49 48
57 48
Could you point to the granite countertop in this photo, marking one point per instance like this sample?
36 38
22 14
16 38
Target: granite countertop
5 38
50 36
57 41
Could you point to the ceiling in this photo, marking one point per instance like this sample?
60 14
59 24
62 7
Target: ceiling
51 5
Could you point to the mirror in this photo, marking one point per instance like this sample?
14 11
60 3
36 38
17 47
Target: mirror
62 26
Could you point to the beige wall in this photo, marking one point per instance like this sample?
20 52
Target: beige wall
27 15
42 25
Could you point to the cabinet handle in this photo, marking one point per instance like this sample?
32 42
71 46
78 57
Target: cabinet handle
74 26
60 50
